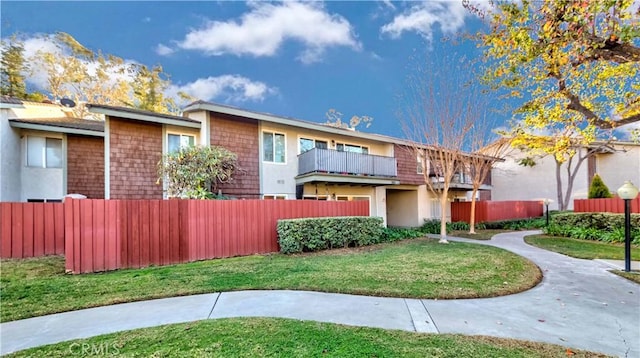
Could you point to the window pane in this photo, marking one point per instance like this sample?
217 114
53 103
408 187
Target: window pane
321 144
279 155
54 153
187 141
305 145
267 146
35 151
173 143
340 147
365 150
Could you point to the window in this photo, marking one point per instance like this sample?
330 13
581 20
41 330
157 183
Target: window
341 147
275 197
419 159
175 142
273 147
308 144
44 152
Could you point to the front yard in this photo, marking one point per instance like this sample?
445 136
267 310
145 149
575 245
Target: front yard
270 337
418 268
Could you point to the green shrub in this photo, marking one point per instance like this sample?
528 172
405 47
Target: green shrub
598 189
314 234
605 227
515 225
390 234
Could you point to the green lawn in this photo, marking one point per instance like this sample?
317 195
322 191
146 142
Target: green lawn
582 249
479 235
419 268
269 337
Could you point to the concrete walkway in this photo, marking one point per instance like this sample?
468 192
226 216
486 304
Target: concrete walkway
578 304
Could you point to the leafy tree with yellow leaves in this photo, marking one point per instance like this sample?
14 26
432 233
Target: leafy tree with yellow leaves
574 66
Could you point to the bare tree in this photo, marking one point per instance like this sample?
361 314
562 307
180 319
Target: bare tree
481 162
441 104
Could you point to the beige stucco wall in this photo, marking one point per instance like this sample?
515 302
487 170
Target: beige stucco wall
9 159
512 181
616 168
402 208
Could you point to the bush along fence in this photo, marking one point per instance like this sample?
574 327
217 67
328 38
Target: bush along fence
606 227
314 234
487 211
609 205
101 235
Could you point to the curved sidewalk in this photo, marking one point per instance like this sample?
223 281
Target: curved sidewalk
578 304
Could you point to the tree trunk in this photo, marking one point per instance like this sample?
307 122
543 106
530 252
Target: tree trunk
560 197
472 214
443 218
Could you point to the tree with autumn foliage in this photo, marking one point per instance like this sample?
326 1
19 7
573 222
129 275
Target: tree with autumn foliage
74 71
573 66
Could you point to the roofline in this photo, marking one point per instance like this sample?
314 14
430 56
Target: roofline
144 116
4 105
57 129
206 106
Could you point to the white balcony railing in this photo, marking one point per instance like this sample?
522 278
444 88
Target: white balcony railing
331 161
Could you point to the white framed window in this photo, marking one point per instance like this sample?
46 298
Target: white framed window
44 152
273 147
177 141
275 197
420 169
315 197
352 148
306 144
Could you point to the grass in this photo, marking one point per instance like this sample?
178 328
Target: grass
581 249
632 276
270 337
419 268
479 235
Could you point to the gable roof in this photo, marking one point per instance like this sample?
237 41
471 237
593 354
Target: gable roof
142 115
287 121
68 125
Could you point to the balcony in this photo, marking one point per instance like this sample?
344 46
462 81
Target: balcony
327 165
459 181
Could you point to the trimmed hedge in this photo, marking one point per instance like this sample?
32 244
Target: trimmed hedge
433 226
314 234
600 221
605 227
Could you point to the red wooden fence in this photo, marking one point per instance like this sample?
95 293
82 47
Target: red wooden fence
496 210
611 205
105 235
31 229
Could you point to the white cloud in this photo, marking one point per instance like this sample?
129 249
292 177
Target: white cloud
423 17
263 30
229 88
164 50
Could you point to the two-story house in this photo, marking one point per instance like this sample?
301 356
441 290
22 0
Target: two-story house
279 158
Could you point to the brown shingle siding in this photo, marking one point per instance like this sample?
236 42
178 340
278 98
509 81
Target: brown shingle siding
407 165
135 149
240 136
85 166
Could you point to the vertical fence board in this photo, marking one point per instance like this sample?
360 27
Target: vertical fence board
49 233
86 235
17 228
5 230
39 224
27 233
99 248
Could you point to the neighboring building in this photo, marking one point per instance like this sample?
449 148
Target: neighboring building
279 158
615 162
45 153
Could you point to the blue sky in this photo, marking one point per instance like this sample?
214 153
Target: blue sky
290 59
